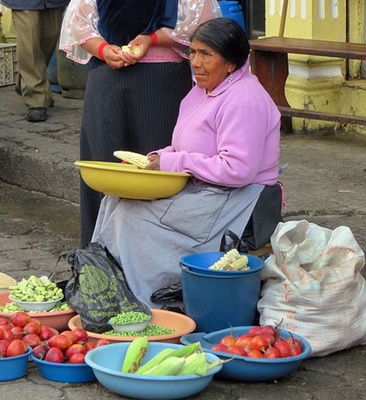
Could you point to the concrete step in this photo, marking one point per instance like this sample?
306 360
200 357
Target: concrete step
40 156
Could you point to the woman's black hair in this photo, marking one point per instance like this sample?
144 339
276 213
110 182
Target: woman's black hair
226 37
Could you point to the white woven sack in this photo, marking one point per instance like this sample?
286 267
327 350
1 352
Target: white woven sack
312 282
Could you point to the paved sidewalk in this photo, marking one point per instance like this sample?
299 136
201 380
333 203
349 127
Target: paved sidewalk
325 183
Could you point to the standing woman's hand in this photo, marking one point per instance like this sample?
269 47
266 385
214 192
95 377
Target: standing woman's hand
109 53
142 43
112 55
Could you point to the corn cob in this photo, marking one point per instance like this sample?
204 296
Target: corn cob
130 157
169 366
133 49
196 363
239 264
185 351
231 261
158 358
135 354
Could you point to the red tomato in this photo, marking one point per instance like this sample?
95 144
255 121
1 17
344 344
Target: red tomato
16 348
259 343
255 331
270 330
283 347
236 350
294 342
219 347
295 351
271 352
255 354
243 341
269 338
228 340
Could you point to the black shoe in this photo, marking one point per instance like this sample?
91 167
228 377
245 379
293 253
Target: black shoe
37 114
18 91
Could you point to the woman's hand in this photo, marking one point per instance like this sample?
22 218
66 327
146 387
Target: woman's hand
143 42
154 162
113 57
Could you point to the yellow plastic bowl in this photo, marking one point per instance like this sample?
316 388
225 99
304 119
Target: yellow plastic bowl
128 181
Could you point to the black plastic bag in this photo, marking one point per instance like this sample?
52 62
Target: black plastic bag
168 294
261 225
266 215
231 241
97 289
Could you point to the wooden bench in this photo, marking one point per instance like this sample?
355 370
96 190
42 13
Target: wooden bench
269 62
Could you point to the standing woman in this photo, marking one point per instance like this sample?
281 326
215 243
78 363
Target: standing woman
132 98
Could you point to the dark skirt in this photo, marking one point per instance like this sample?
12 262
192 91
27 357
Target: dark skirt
133 108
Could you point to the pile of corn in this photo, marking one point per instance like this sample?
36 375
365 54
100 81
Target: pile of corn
231 261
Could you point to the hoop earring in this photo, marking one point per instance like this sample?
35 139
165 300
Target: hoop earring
230 77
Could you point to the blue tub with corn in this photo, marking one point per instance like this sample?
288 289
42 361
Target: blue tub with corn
217 298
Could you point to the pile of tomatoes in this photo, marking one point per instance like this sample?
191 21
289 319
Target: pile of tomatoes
21 332
260 342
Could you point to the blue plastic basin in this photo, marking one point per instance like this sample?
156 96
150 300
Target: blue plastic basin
12 368
107 361
246 369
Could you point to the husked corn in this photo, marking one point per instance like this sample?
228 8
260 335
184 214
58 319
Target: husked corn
132 158
133 49
231 261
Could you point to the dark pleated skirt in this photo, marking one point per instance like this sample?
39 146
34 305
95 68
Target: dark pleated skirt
133 108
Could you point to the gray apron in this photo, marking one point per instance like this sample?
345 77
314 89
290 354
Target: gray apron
148 238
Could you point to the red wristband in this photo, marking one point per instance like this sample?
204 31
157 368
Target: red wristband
154 39
100 50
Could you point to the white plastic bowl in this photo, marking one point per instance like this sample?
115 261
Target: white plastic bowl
107 361
35 306
132 327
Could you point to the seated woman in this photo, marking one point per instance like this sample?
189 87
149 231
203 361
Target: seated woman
227 137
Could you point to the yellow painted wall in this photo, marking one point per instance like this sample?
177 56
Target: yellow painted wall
320 83
7 23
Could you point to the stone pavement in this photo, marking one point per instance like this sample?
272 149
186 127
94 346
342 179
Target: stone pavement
324 183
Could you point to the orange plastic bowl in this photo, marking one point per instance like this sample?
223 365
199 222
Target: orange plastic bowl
181 324
55 319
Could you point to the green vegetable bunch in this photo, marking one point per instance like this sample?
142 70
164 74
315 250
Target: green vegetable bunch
36 289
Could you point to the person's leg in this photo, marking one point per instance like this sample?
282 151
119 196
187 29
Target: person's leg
30 57
32 63
51 20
